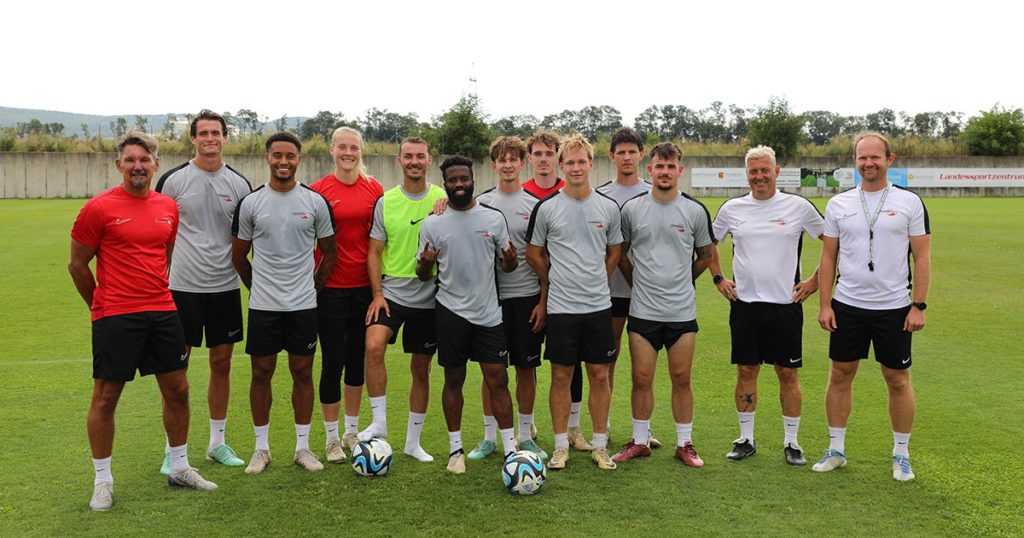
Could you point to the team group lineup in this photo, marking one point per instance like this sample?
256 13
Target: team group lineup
548 267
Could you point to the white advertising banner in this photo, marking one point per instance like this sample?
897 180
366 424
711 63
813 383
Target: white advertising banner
737 177
942 177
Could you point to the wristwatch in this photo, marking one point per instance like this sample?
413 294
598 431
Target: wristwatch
920 306
718 278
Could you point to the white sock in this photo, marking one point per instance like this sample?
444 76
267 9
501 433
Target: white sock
454 441
525 427
641 431
684 433
179 458
837 439
379 426
102 468
301 437
790 426
600 440
901 444
562 440
746 425
414 429
379 408
217 432
490 429
351 424
262 436
331 431
574 415
508 440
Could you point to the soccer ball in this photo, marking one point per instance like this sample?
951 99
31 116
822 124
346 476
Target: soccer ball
523 473
372 458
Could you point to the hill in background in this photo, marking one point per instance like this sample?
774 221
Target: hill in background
72 121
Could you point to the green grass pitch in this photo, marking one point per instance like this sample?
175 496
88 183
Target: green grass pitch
968 374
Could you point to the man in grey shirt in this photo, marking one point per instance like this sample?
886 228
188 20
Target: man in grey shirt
203 281
519 295
626 152
580 230
464 241
669 245
280 223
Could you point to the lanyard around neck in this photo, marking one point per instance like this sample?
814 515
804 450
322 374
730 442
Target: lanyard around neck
872 219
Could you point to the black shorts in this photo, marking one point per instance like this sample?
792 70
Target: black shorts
620 307
150 342
767 333
420 333
576 338
341 326
461 341
856 328
220 313
661 333
270 332
523 344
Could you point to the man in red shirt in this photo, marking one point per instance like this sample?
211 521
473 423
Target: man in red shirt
542 152
130 230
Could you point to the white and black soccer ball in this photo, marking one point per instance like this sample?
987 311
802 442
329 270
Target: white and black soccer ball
372 458
523 473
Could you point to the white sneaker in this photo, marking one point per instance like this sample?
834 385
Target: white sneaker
832 460
259 462
102 497
189 478
334 452
350 440
457 462
308 460
901 469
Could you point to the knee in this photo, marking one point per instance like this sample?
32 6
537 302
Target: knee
788 378
262 374
747 374
898 382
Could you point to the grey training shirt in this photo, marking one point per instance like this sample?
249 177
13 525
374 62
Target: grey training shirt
206 202
577 234
662 237
283 228
516 207
621 193
467 244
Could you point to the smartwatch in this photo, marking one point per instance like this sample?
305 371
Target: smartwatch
920 306
718 278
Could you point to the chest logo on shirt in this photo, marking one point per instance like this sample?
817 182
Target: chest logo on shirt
845 216
121 221
334 202
302 215
780 222
483 233
415 222
165 220
890 212
526 216
596 223
225 197
679 228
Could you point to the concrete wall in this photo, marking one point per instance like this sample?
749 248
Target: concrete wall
80 175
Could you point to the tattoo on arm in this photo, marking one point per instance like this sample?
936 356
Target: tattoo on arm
704 252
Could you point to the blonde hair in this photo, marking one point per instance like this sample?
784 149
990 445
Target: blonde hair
575 142
348 130
759 152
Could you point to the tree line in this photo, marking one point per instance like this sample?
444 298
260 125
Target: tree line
466 128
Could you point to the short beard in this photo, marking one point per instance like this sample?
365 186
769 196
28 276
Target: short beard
460 201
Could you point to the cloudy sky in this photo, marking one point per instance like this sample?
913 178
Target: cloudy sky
527 57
